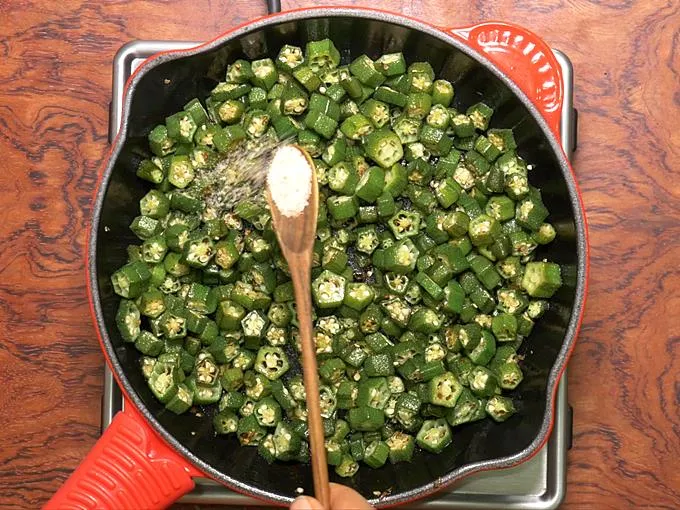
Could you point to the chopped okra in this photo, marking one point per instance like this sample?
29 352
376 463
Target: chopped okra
428 270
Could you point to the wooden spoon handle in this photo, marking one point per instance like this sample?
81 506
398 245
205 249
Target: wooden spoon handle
301 276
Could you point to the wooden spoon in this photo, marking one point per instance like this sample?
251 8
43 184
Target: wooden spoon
296 238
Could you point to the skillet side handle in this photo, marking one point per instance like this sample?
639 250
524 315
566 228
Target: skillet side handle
129 467
525 58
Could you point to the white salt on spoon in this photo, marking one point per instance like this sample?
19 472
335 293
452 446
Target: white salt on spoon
289 180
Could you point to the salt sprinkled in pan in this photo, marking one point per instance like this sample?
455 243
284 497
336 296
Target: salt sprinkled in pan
290 180
239 175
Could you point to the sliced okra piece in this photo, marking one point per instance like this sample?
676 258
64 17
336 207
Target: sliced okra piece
225 422
379 365
164 381
516 186
332 370
537 308
509 375
321 123
347 467
154 205
328 290
418 105
151 172
483 230
541 279
287 442
181 127
384 147
377 112
502 139
545 234
391 64
128 320
424 320
500 208
442 92
200 299
249 431
396 283
289 58
204 395
504 327
322 55
365 418
480 114
500 408
461 366
198 251
239 72
365 70
145 227
272 362
265 74
530 213
468 408
267 412
420 82
306 76
402 447
160 143
226 90
434 435
376 454
405 224
180 171
343 178
444 390
149 344
131 280
358 295
462 125
485 349
231 111
356 126
253 325
229 315
347 394
335 151
485 271
435 139
342 207
483 382
390 96
398 310
354 354
487 149
396 179
352 86
256 122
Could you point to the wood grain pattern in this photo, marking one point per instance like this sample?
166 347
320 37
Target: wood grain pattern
54 90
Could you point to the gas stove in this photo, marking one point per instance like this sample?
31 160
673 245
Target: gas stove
538 484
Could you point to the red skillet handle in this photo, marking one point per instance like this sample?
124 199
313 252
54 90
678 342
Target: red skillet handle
128 468
525 58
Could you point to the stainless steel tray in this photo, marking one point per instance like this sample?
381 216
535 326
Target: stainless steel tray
538 484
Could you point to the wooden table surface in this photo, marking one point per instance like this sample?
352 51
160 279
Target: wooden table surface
55 85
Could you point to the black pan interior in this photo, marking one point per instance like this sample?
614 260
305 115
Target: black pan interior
165 88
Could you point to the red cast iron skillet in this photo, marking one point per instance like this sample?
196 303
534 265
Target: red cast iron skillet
148 456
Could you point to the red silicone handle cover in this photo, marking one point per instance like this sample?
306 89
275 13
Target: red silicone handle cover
525 58
128 468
